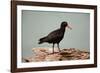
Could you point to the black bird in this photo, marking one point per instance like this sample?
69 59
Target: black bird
55 36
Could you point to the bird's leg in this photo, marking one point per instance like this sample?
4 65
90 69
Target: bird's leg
58 47
53 47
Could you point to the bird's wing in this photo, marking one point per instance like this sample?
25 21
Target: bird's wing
55 34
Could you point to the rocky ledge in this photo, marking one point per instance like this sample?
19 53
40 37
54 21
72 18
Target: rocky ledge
44 54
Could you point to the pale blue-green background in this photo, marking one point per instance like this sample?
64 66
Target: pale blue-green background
37 24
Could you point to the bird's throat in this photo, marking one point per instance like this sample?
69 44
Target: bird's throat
62 30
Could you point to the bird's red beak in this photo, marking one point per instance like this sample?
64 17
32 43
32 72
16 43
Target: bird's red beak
69 27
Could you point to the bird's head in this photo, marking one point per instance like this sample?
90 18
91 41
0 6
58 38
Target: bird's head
64 25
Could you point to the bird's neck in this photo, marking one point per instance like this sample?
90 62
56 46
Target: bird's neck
62 29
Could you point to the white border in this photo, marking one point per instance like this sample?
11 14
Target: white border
55 63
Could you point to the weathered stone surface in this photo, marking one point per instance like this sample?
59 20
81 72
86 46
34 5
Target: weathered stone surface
45 54
53 57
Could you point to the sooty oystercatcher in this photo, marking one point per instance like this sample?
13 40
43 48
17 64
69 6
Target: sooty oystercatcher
55 36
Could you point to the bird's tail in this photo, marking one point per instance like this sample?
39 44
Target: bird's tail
42 40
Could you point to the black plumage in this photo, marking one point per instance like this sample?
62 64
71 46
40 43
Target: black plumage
55 36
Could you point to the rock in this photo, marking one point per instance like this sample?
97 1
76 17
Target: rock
40 51
53 57
84 55
45 54
38 58
29 59
45 50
